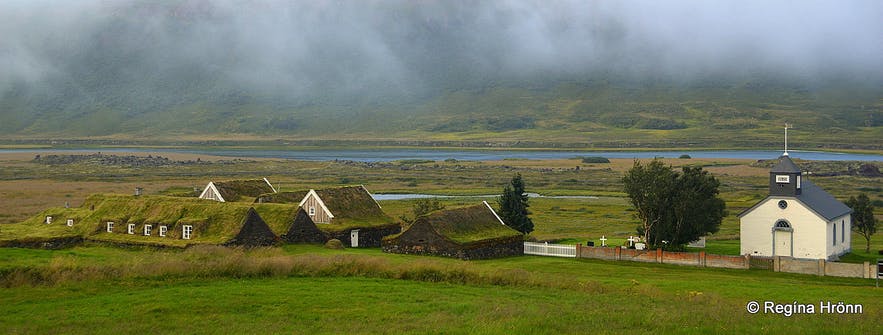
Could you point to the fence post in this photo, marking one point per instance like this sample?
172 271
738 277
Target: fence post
617 253
658 255
702 258
777 264
579 252
866 271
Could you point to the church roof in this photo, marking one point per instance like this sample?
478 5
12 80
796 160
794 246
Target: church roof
785 165
816 199
821 202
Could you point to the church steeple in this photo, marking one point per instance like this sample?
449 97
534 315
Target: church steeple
785 176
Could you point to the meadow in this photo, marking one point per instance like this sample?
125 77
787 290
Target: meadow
309 289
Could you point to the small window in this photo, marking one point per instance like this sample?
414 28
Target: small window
783 204
798 181
186 232
782 224
147 229
70 222
783 179
162 231
131 229
312 211
842 230
48 219
109 226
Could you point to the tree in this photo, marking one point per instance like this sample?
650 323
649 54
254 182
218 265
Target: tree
675 208
422 207
863 220
513 206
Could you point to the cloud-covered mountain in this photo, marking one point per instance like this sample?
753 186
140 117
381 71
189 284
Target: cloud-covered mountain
275 67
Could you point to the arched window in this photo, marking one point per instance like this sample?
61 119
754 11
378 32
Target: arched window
782 224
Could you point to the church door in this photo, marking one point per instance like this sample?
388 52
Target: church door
783 243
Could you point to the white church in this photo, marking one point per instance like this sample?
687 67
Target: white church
798 219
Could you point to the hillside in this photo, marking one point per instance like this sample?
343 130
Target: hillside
433 74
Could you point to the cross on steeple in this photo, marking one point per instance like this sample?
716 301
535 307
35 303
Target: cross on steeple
786 138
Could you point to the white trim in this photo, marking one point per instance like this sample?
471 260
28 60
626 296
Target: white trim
319 200
148 229
162 230
783 179
109 226
369 194
211 186
70 222
130 229
271 185
495 213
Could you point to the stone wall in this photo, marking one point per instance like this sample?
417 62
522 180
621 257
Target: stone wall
818 267
659 256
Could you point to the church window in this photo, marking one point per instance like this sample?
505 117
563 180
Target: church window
783 204
835 234
782 224
842 231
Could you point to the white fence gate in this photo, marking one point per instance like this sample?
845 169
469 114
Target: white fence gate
545 249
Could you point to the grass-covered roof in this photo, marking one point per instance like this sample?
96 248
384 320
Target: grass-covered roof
467 224
352 206
239 190
214 222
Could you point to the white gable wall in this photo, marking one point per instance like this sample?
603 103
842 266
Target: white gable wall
211 193
812 235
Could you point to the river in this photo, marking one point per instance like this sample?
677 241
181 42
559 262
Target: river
393 154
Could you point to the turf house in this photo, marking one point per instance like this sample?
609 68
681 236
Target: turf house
153 221
236 190
474 232
349 214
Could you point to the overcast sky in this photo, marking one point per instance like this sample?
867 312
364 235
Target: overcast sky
350 46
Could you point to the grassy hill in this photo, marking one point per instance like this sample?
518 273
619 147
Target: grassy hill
575 114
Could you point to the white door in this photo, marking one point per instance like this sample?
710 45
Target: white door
782 243
354 238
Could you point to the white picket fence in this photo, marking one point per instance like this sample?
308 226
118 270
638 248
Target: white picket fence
545 249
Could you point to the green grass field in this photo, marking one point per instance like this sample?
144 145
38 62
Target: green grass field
309 289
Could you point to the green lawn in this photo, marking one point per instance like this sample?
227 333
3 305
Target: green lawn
366 291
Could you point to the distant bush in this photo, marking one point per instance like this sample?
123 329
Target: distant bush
684 156
661 124
595 159
334 244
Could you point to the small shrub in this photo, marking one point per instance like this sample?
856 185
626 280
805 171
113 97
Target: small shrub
334 244
685 156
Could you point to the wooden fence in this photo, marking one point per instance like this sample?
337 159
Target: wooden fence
545 249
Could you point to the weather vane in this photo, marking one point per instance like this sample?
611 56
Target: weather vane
786 138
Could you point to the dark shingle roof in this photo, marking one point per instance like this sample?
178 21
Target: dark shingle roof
785 165
821 202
